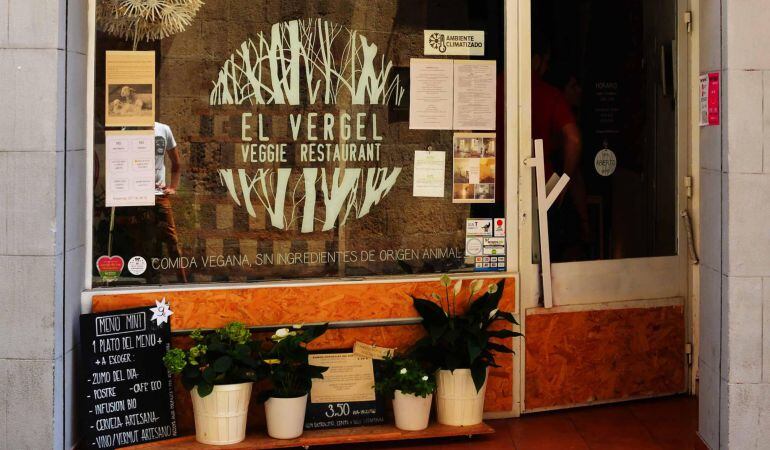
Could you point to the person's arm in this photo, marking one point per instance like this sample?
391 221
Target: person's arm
176 172
572 148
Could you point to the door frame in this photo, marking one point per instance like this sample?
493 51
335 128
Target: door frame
606 283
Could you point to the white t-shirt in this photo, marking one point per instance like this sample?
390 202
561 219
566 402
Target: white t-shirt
164 141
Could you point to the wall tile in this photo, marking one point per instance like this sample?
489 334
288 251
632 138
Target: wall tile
745 224
708 404
27 293
32 116
766 332
30 385
711 148
77 26
3 402
742 99
748 416
711 219
746 35
710 316
75 266
36 24
76 101
3 203
30 188
3 30
75 203
710 27
742 329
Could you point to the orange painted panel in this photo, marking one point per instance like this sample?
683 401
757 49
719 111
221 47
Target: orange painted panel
593 356
329 302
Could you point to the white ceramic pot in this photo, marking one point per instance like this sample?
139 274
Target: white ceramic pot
412 412
457 402
220 417
285 417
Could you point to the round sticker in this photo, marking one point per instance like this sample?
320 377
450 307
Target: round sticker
605 162
137 265
473 247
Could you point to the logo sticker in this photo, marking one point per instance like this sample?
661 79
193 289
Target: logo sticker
454 42
137 265
110 267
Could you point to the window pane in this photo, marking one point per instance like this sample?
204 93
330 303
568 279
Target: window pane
296 159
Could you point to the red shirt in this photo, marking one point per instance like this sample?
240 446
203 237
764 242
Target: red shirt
550 114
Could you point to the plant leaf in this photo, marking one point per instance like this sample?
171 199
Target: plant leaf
479 374
204 388
222 364
498 348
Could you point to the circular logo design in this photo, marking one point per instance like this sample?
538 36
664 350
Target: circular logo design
473 247
137 265
438 42
605 162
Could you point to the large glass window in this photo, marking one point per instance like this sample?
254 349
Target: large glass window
283 145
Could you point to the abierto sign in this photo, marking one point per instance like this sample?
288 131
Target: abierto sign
454 42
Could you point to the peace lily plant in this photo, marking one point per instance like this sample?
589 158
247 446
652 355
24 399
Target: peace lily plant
460 326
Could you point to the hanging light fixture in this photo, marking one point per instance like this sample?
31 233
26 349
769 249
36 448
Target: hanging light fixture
145 20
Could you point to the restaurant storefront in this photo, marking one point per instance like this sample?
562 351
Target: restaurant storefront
277 163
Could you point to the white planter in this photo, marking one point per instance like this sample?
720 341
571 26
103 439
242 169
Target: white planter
285 417
412 412
220 417
457 402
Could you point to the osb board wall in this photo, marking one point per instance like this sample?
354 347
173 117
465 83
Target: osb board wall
334 302
574 358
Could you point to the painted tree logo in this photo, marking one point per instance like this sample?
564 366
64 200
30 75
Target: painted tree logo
310 62
333 62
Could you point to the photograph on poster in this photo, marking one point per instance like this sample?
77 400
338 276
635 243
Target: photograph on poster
473 171
132 100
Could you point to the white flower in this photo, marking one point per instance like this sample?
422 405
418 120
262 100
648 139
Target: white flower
280 334
403 371
476 286
492 313
297 326
458 287
425 378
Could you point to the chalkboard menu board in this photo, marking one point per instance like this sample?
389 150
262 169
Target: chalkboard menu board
126 396
345 396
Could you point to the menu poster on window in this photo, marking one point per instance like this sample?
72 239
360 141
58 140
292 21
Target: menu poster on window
130 168
345 397
429 173
130 84
126 395
475 95
473 174
430 94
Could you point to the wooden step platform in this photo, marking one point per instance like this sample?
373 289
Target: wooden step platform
377 433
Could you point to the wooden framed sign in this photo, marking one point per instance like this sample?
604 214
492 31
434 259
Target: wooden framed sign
126 395
345 397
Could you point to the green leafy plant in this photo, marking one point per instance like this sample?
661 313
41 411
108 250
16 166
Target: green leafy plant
224 356
286 360
406 375
462 340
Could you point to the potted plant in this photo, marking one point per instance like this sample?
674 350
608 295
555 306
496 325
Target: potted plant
411 387
218 370
458 345
291 377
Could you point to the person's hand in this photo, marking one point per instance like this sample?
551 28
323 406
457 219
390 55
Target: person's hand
169 191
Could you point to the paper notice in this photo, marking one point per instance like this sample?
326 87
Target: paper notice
130 84
475 94
130 168
430 94
350 378
372 351
429 173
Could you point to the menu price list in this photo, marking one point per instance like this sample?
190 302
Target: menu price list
126 392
